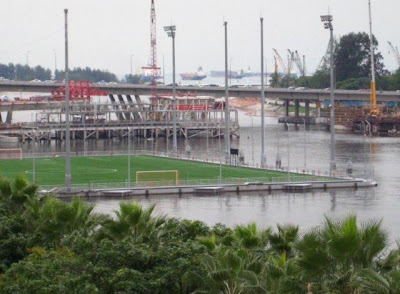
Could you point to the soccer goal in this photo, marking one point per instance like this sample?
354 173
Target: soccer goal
162 176
15 153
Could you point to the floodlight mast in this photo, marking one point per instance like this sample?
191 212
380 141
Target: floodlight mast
170 30
327 20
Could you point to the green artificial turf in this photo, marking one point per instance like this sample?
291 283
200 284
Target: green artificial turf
102 169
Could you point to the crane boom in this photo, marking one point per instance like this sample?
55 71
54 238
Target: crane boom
298 62
395 52
290 60
283 65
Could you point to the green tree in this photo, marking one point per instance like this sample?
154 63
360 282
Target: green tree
352 57
52 222
17 193
134 221
332 257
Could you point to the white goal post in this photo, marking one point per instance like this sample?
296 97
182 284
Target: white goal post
157 176
13 153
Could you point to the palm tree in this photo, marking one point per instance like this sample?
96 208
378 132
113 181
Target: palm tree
230 271
284 240
16 193
331 257
54 221
250 237
134 221
281 275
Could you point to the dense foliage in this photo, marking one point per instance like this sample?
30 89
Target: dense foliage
52 246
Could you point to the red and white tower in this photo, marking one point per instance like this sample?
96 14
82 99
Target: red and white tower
154 70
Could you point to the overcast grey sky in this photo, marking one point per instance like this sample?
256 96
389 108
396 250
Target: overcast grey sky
104 33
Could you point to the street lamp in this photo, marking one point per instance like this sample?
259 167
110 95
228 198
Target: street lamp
327 20
170 30
131 63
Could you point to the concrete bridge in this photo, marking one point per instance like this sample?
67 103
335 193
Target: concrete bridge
217 92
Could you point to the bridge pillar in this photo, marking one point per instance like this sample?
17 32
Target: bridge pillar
9 117
307 111
296 107
287 102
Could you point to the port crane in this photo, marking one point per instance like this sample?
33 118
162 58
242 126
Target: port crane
395 52
281 62
300 65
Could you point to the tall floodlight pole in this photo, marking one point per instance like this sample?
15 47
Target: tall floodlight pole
171 33
227 113
33 158
304 143
219 151
67 131
263 157
129 157
327 20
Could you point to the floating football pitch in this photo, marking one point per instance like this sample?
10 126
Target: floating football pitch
104 169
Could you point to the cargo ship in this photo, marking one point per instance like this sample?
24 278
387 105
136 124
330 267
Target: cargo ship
232 75
194 76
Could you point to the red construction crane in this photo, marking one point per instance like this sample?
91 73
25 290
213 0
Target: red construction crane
153 48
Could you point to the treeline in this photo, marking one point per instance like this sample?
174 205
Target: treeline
26 73
352 68
88 74
52 246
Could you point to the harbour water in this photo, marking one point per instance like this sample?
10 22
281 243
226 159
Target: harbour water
371 157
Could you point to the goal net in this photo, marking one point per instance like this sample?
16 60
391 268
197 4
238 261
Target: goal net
15 153
163 177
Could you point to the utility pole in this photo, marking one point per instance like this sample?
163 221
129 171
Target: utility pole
67 131
263 157
327 20
227 113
